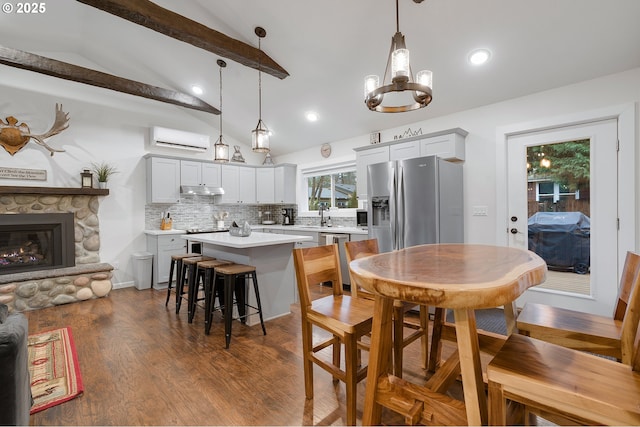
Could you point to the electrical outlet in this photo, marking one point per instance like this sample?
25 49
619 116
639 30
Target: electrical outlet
480 210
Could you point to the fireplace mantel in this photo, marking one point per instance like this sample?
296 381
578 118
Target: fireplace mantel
65 191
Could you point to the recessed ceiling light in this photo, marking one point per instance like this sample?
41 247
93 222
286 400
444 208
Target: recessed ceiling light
311 116
197 90
479 56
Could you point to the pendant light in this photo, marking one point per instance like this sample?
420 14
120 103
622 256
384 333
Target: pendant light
401 79
220 149
260 135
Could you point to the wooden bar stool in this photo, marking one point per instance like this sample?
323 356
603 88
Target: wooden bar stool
190 279
176 262
206 270
231 272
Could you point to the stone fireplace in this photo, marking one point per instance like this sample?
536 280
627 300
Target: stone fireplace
71 274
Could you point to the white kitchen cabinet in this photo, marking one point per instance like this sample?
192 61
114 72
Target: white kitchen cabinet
307 243
285 183
449 146
163 180
162 247
230 184
247 181
265 185
365 158
239 184
404 150
200 173
212 174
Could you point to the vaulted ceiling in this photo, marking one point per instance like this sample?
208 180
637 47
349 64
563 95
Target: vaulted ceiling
328 47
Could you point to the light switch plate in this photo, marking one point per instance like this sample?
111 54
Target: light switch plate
480 210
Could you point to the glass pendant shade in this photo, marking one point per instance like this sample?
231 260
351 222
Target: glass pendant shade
371 82
425 78
400 64
221 151
260 138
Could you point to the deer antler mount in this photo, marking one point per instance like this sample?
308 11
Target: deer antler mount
14 136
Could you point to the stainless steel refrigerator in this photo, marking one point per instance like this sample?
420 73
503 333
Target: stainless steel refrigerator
415 201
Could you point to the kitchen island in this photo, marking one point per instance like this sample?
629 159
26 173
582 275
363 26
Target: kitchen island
270 254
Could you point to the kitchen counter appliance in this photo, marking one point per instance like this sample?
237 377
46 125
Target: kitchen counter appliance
196 247
287 216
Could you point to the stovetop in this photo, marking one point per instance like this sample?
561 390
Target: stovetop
206 230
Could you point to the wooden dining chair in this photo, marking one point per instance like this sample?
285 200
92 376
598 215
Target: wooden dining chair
364 248
346 318
608 336
562 385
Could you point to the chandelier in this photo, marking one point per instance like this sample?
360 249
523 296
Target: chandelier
399 69
260 135
220 149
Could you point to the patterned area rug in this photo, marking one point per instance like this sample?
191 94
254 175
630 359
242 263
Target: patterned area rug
54 369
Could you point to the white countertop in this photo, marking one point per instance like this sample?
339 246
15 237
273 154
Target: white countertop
256 239
162 232
330 230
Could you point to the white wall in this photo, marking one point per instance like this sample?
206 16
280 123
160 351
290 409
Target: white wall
482 123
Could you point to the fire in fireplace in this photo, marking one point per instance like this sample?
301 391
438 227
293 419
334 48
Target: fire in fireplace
36 241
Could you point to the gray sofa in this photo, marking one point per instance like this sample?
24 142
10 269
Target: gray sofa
15 385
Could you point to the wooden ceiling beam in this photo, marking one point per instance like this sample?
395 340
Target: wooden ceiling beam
150 15
52 67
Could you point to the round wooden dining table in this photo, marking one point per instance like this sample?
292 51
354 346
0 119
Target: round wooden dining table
460 277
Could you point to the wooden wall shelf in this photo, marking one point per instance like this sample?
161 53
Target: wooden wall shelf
54 190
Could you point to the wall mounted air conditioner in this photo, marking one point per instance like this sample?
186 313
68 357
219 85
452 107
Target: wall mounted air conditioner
179 139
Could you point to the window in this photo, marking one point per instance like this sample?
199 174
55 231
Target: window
331 188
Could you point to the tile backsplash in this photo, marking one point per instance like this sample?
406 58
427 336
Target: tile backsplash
197 212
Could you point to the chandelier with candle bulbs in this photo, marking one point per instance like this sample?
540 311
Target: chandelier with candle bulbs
399 70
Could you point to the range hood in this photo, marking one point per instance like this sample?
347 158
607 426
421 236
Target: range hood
201 190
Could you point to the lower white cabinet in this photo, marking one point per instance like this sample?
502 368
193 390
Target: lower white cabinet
162 247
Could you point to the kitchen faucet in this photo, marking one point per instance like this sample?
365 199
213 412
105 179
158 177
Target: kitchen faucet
323 222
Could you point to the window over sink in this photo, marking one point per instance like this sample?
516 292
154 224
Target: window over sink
330 187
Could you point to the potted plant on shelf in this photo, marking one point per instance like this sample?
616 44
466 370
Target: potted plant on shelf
103 171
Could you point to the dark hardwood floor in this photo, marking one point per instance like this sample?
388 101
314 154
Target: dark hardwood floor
142 364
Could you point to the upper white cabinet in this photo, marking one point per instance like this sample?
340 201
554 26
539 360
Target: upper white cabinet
285 183
239 184
200 173
405 150
163 180
247 179
447 144
265 185
365 158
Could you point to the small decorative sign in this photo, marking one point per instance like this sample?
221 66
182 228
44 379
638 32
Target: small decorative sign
374 138
26 174
408 133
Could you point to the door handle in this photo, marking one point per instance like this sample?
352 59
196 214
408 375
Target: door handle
514 231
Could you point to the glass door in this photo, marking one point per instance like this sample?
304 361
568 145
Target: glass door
562 193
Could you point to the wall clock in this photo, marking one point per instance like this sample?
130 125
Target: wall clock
325 150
